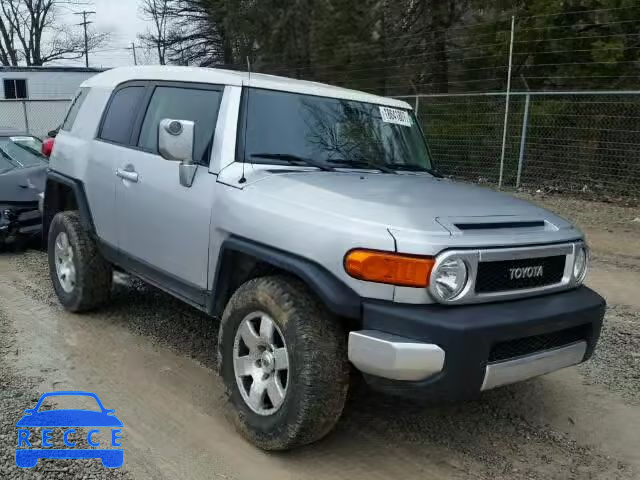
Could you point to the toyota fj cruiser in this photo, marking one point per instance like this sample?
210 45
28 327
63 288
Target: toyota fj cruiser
312 221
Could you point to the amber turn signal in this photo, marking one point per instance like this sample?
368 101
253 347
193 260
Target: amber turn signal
387 267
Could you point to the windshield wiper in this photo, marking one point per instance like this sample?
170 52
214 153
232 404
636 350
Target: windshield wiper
414 168
362 163
290 158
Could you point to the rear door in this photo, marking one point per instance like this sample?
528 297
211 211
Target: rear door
163 227
112 143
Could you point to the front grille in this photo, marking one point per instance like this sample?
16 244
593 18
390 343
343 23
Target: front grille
528 345
508 275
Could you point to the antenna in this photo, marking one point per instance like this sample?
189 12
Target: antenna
243 179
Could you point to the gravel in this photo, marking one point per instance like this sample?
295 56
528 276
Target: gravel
616 362
18 392
601 215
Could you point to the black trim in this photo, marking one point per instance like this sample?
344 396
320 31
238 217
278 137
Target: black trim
467 334
185 291
499 225
51 205
336 295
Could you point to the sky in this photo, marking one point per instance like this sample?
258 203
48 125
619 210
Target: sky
120 17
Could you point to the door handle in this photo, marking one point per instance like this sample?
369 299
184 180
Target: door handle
127 175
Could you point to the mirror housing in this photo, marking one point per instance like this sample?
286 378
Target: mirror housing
175 142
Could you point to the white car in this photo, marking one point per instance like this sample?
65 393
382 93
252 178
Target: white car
312 220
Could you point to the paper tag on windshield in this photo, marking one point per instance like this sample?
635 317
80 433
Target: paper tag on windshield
394 115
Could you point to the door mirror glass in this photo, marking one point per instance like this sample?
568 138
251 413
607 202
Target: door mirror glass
175 140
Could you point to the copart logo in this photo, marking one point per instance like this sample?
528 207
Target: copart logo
526 272
68 420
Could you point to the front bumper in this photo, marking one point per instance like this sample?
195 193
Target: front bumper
19 221
455 352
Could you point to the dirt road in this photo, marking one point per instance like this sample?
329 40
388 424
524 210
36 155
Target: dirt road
153 360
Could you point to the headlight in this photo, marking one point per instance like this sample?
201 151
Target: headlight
580 264
449 279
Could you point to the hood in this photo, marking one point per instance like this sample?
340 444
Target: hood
413 207
22 185
413 202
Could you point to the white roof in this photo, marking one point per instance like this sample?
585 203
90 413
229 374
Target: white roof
112 78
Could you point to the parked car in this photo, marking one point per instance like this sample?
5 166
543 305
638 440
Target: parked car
312 221
22 179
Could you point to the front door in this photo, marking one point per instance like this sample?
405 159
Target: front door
163 227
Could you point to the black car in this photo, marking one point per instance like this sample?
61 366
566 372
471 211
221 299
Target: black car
23 170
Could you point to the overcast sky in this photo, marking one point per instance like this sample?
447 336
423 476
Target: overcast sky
122 19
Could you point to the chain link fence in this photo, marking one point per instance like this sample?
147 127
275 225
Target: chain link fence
36 117
565 142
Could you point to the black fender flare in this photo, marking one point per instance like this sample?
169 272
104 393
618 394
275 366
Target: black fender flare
52 203
339 298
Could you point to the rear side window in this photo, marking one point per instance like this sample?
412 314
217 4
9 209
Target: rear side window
74 109
198 105
119 119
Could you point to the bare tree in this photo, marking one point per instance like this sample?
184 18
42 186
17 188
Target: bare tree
31 33
161 14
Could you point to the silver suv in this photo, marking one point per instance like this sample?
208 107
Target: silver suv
311 220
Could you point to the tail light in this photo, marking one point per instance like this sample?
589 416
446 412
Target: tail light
47 147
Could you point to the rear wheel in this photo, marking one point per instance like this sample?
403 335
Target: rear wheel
81 277
283 360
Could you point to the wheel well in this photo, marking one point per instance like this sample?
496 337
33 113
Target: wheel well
235 269
243 259
58 198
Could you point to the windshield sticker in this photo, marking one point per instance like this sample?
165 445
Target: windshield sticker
394 115
22 139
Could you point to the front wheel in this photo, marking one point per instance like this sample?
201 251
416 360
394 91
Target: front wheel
283 360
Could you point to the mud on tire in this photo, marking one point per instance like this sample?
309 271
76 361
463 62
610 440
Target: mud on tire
93 274
318 375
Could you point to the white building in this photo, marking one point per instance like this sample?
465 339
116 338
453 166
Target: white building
35 99
42 83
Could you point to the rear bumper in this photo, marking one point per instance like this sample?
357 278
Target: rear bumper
450 352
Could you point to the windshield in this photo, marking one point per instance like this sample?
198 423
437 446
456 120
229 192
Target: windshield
284 127
20 152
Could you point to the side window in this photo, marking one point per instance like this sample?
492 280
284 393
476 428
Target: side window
74 109
178 103
15 89
119 119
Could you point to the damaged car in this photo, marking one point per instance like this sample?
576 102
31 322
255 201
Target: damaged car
23 171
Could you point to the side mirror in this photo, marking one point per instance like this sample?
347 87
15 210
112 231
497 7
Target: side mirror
175 142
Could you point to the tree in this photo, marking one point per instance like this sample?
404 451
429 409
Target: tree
161 14
30 33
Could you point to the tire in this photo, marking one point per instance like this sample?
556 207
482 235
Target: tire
93 274
318 370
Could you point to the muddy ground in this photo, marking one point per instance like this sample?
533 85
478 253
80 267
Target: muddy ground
153 360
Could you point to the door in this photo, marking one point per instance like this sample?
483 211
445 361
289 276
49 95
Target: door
163 227
113 142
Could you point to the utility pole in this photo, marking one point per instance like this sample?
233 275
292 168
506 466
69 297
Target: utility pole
84 23
135 58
